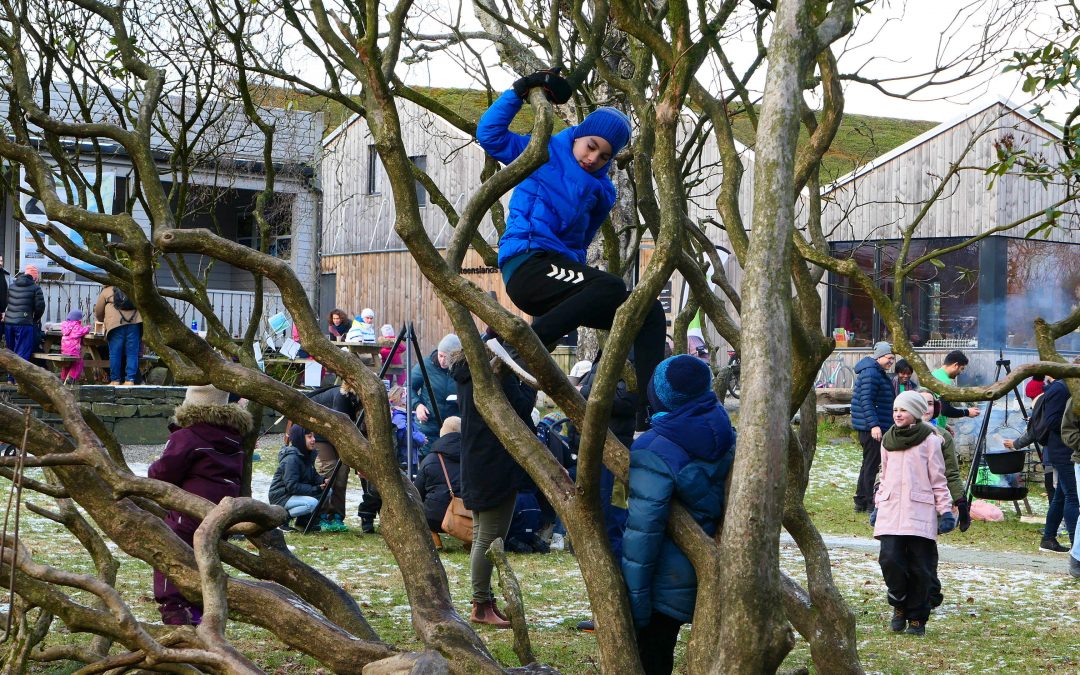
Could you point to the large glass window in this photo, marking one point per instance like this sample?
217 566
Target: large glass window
940 299
1042 280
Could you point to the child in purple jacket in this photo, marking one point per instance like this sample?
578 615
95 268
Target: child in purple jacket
203 456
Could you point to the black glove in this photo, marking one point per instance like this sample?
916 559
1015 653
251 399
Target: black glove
964 522
873 517
555 87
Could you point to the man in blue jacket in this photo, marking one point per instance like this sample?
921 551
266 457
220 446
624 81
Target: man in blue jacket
871 416
554 214
685 456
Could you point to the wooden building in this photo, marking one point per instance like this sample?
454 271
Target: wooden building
985 294
222 185
961 302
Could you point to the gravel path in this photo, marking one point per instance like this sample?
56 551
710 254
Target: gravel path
140 456
1048 563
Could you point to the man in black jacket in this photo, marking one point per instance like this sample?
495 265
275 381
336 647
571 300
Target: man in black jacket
25 307
1047 428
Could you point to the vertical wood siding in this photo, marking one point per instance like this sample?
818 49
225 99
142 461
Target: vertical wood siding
881 201
390 283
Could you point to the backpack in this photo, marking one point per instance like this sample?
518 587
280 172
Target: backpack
121 301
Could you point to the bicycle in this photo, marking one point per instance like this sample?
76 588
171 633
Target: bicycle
735 364
835 373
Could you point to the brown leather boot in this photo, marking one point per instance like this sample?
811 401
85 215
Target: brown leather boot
437 539
498 612
484 612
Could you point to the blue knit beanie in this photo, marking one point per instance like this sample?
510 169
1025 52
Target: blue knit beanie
610 124
75 315
677 381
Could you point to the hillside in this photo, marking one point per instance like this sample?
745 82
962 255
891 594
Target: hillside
859 139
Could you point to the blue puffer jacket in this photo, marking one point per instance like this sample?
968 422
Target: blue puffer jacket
560 206
686 456
871 402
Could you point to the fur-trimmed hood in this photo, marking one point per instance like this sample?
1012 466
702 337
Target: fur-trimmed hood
229 416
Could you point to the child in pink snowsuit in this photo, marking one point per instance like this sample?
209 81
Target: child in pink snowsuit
73 331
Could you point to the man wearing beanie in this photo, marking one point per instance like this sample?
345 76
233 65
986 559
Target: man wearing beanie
686 456
554 215
203 456
25 306
443 387
871 416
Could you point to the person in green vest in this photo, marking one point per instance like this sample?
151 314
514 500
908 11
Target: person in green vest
956 362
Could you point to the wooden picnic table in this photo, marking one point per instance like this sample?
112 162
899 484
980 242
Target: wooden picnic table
374 350
364 349
95 355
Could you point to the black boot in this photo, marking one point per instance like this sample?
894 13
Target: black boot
916 627
899 621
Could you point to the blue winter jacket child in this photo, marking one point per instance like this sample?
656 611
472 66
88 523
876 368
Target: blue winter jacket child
872 399
400 419
560 206
686 456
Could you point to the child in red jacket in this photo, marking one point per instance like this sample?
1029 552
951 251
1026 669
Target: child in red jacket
203 456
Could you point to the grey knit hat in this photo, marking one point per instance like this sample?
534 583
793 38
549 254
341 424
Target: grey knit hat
882 349
449 344
913 402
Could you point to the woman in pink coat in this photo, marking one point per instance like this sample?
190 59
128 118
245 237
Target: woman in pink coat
913 507
73 330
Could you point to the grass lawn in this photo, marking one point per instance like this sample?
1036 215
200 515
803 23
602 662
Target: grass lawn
994 619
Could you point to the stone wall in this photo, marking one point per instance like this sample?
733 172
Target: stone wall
135 415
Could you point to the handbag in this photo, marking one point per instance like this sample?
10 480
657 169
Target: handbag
458 521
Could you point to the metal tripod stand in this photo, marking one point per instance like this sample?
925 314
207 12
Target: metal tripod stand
980 443
407 334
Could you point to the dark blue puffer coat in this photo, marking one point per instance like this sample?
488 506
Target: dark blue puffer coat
25 302
872 400
686 456
560 206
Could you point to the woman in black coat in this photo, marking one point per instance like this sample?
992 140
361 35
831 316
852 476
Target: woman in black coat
490 479
430 480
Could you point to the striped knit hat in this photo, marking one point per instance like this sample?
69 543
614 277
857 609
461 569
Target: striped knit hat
677 381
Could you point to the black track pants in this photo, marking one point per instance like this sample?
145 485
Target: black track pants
909 566
563 295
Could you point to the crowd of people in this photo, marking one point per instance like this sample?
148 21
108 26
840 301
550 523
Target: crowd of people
686 455
681 440
22 306
909 471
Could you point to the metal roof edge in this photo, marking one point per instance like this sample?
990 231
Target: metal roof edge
927 135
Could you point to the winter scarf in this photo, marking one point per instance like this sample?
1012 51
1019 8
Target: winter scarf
902 438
